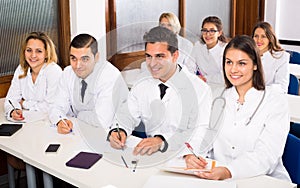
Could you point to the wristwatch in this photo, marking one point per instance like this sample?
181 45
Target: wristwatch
165 144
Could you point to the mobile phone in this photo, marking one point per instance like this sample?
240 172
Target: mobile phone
52 148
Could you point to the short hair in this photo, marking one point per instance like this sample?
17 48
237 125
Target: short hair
173 20
218 23
274 45
49 46
85 41
162 34
246 44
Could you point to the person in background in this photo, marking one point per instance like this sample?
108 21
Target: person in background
89 89
170 99
170 21
274 59
255 125
34 83
206 56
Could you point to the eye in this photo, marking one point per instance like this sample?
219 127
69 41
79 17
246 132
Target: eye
39 51
228 62
85 59
242 63
160 56
28 50
72 58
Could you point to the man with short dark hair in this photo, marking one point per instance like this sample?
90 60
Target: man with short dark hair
169 100
89 89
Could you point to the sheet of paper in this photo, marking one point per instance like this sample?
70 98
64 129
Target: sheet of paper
178 165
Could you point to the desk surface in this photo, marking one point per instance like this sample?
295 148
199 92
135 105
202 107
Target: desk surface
30 142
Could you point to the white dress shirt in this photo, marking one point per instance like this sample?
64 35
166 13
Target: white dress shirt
276 69
39 95
185 106
105 90
253 149
208 62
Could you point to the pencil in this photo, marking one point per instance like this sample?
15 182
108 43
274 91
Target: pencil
124 161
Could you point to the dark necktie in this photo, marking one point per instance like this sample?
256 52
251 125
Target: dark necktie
83 88
163 89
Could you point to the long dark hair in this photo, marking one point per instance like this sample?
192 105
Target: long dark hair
246 44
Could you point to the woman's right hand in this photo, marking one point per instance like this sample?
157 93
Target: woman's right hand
17 115
195 162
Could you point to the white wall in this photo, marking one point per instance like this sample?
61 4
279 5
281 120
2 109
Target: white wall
284 16
88 16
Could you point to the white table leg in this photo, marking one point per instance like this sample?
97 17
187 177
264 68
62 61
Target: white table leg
48 182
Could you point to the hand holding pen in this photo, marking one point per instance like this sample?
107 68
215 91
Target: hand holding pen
117 138
194 161
64 126
16 114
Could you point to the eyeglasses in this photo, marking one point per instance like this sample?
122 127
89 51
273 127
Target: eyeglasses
211 31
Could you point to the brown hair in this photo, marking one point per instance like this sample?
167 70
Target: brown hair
218 23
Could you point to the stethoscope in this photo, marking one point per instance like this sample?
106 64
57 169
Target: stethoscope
222 100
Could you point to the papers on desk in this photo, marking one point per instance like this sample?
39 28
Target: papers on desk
185 181
178 165
30 116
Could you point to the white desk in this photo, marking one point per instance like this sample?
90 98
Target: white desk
30 142
294 108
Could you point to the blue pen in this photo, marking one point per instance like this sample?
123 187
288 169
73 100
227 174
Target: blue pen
71 130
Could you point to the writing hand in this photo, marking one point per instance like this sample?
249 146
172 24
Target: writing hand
64 127
195 162
202 78
117 142
148 146
17 115
217 173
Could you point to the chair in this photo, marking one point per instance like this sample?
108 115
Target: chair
293 88
294 57
291 158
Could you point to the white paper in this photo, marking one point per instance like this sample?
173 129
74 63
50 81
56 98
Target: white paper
30 116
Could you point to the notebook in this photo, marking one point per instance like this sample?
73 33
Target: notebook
8 129
84 160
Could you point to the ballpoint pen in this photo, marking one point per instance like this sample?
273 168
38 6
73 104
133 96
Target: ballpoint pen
14 107
71 130
119 135
124 161
191 149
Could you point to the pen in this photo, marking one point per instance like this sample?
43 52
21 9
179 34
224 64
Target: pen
124 161
13 107
65 123
191 149
119 135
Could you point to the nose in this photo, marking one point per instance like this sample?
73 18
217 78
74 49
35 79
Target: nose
152 62
78 64
33 54
234 68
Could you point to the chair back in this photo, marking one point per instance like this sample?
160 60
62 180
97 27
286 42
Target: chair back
293 88
291 158
294 57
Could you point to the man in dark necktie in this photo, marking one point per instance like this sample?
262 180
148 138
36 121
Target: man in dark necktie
154 100
87 88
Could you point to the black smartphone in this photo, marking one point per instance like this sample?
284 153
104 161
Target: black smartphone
52 148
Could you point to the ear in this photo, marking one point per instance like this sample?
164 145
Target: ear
175 55
220 33
97 56
255 67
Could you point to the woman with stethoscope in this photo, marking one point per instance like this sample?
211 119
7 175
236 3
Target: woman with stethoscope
255 120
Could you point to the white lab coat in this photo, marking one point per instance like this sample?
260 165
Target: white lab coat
39 95
208 62
185 105
105 90
276 69
254 149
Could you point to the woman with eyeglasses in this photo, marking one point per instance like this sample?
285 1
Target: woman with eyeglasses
255 121
274 59
206 56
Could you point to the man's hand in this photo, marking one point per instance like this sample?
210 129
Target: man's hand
64 126
148 146
117 142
